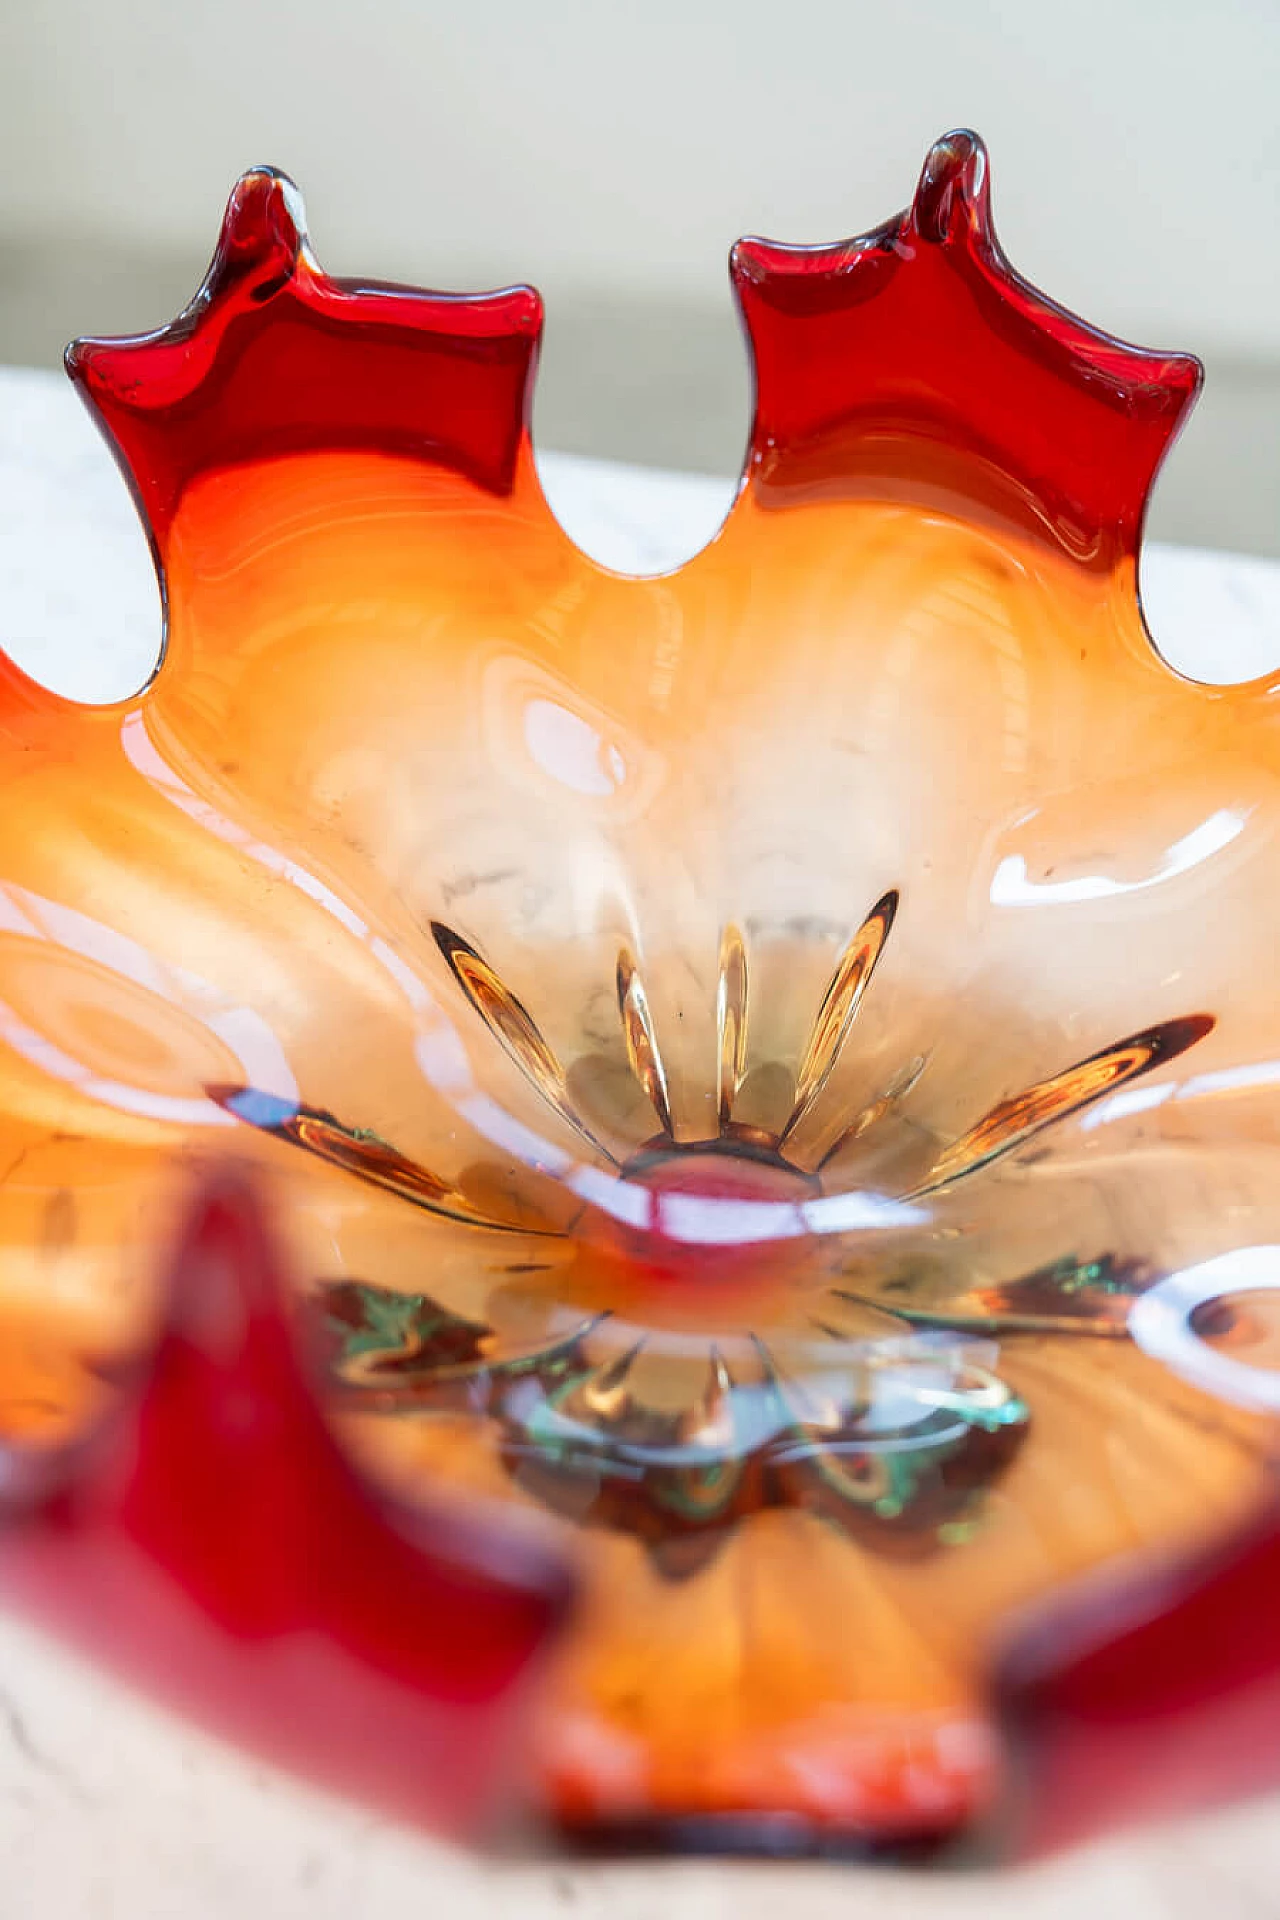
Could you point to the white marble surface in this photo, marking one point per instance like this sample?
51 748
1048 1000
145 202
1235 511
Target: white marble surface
109 1809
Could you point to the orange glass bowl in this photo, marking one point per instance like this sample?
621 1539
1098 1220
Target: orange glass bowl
763 1078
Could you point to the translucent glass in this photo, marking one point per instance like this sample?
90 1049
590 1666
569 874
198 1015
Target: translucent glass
748 1066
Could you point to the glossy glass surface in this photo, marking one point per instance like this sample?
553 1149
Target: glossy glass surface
751 1064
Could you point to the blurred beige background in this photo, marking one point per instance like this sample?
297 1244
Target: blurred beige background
611 153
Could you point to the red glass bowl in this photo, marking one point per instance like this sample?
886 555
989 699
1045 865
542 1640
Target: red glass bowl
762 1079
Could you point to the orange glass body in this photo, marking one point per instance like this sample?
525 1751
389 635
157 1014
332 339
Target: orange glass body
764 1076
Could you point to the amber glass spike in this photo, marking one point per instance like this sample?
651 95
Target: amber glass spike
764 1075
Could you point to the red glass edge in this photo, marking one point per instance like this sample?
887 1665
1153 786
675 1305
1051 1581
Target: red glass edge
1144 1694
921 335
211 1541
918 341
274 357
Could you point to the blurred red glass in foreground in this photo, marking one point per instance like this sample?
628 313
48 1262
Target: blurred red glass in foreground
748 1096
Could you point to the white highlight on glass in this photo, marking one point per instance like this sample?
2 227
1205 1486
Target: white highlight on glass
1160 1323
1010 886
569 749
244 1032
